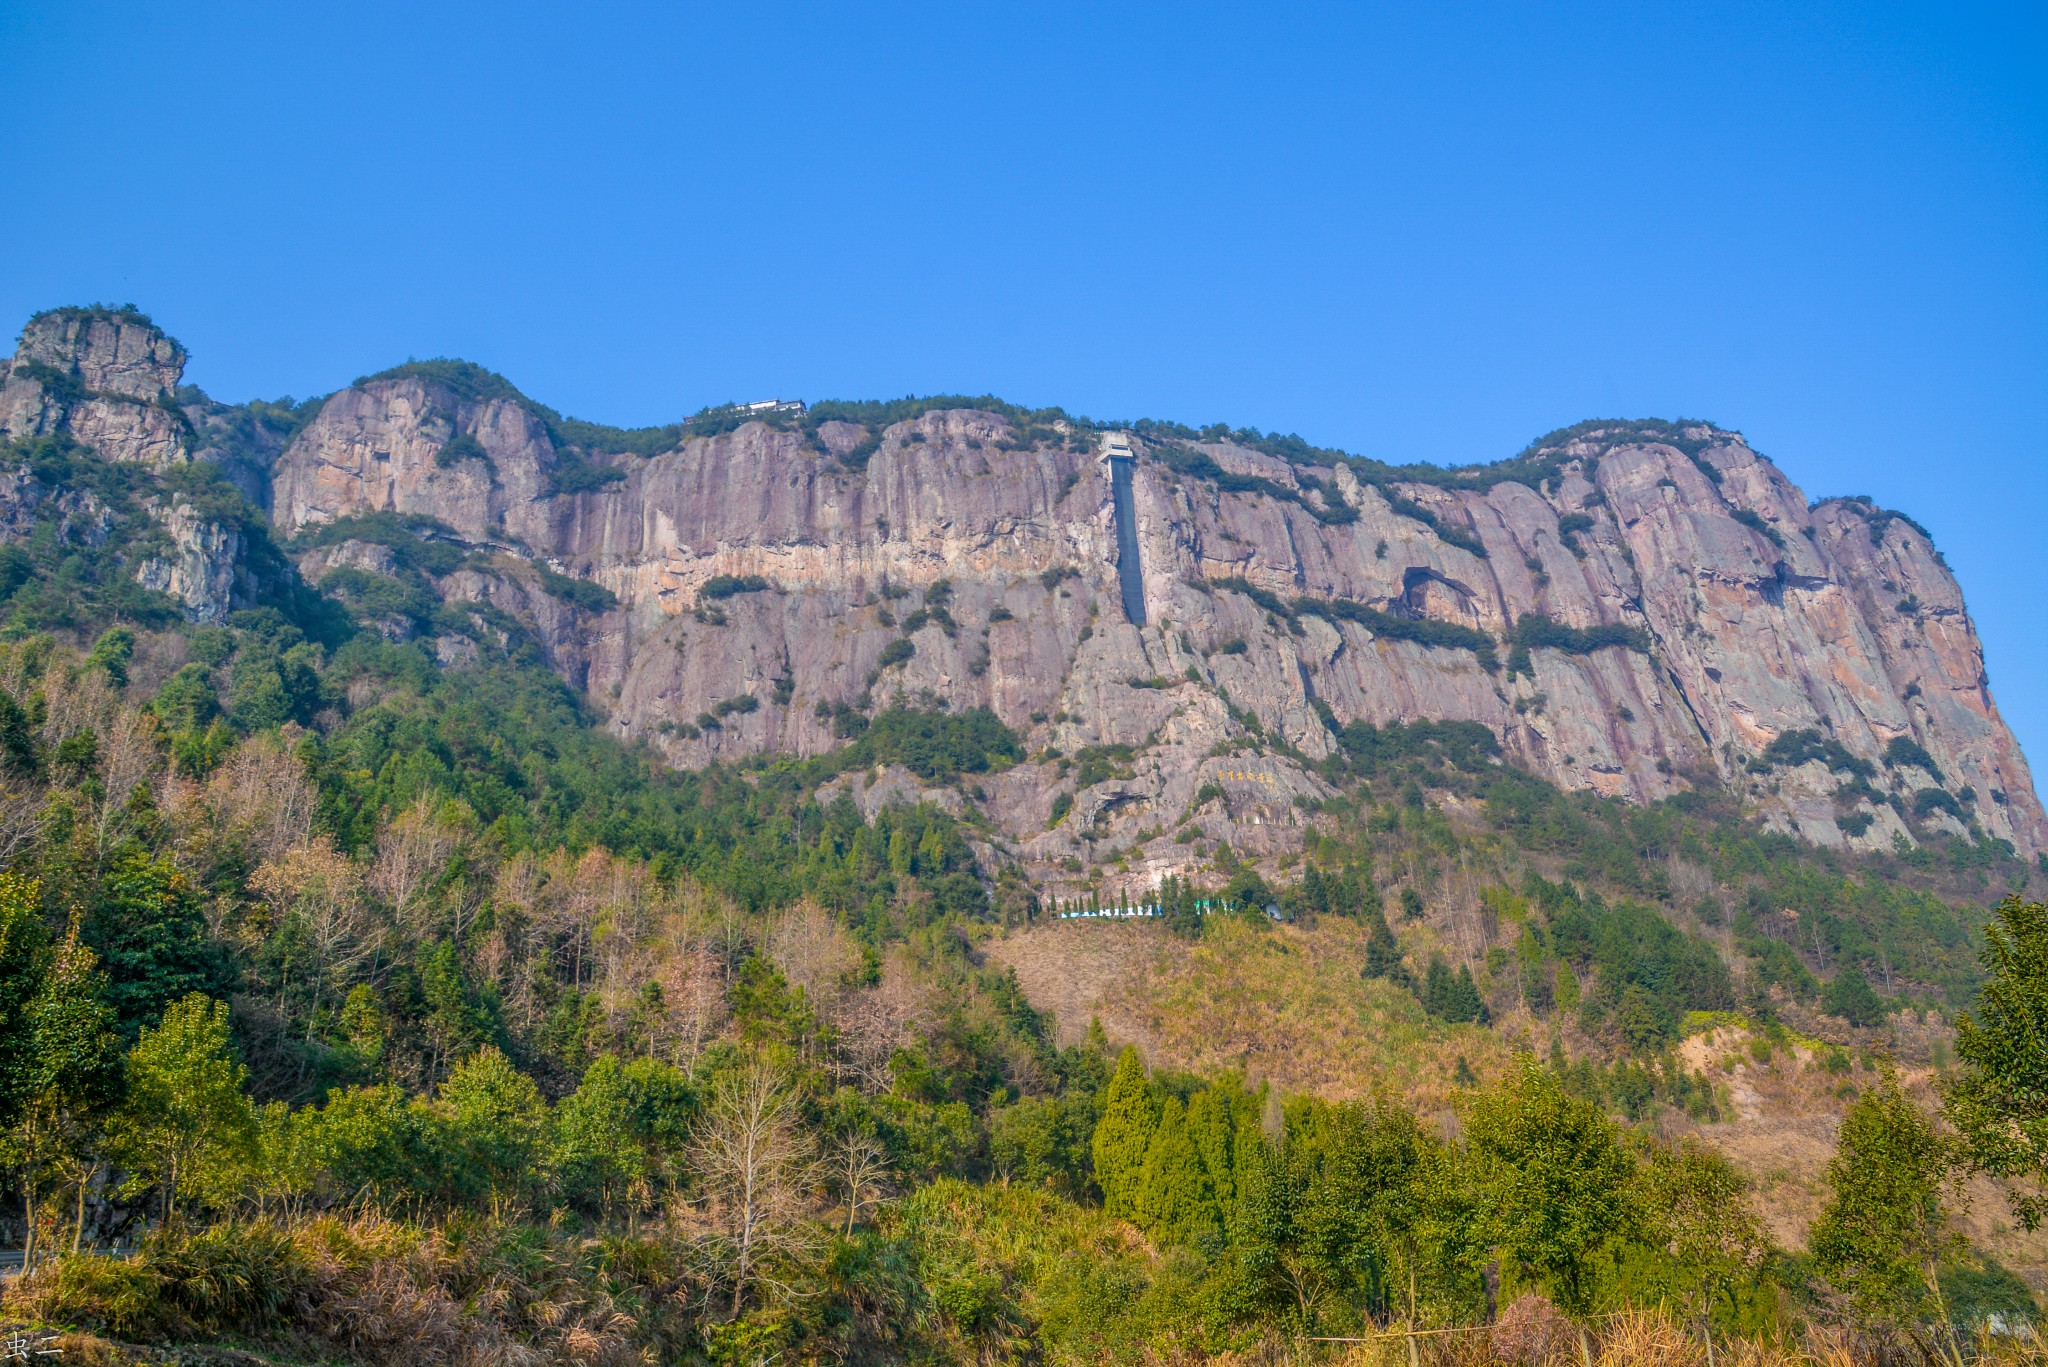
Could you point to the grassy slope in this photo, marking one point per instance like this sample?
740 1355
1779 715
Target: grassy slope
1287 1006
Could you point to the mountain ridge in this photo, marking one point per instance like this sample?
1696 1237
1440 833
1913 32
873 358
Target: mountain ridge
1630 608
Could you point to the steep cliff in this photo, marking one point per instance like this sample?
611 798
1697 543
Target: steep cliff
106 381
1631 608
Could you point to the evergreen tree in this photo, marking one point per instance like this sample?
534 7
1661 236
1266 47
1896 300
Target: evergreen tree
1212 1128
70 1074
1359 1169
1453 997
1383 952
149 929
1698 1210
595 1156
1177 1201
499 1125
1635 1017
1123 1136
23 946
1260 1277
1850 996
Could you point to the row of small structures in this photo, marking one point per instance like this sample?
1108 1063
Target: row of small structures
1152 911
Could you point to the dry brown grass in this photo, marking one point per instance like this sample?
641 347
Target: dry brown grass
1277 1004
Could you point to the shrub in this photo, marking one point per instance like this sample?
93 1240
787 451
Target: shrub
581 476
934 744
1905 752
730 585
1792 748
576 592
459 448
1752 520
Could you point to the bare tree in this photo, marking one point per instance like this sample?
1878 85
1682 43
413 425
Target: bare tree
322 888
625 901
814 952
130 758
261 793
874 1024
755 1166
21 820
860 1169
692 989
412 851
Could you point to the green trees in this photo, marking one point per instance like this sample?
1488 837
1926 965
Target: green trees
1361 1168
1452 997
1998 1098
498 1126
22 945
1697 1209
1124 1135
1883 1230
148 926
1850 996
186 1127
609 1133
68 1072
1176 1194
1555 1180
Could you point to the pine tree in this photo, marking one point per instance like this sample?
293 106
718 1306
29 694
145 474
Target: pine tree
1383 952
1850 997
1124 1134
1169 1181
1212 1127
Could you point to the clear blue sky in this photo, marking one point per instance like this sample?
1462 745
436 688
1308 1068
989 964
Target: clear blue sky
1416 232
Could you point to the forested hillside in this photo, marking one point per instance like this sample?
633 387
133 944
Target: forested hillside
367 994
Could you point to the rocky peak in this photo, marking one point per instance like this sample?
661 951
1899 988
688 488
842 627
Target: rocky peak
109 351
423 442
1626 608
102 377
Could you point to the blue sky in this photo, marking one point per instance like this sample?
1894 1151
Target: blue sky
1416 232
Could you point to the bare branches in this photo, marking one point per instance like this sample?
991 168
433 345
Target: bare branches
859 1167
756 1166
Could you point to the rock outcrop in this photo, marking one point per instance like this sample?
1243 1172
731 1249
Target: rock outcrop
104 377
1646 613
107 380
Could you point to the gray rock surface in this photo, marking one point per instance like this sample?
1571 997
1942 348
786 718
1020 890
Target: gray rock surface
1762 617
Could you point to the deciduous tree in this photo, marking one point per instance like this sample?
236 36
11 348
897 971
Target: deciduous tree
186 1126
1998 1098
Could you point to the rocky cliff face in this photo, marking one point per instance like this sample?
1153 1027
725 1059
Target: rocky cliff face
107 379
1633 610
1816 658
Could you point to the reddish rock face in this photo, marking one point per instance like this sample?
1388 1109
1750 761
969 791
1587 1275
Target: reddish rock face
1755 615
1302 600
